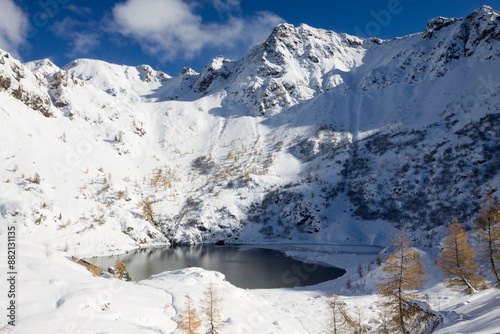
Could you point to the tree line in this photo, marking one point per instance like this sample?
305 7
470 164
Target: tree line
403 309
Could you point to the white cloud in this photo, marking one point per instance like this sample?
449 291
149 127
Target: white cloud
64 27
82 37
83 11
13 27
171 28
225 6
83 43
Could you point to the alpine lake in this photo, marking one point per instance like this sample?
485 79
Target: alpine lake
245 266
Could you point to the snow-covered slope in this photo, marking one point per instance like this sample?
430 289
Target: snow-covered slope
311 136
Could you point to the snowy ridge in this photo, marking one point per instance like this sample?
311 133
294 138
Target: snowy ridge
293 65
21 84
121 81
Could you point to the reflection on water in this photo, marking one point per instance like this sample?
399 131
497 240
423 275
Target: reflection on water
243 267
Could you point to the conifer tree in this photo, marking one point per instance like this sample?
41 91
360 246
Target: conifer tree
188 320
404 274
384 318
212 309
121 271
457 260
488 224
340 319
359 327
147 211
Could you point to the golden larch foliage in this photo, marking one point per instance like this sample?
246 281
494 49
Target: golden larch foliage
457 260
488 225
121 271
212 309
404 273
147 211
340 320
188 320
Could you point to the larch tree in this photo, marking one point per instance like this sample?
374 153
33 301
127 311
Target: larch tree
121 271
457 260
188 320
340 320
488 225
147 211
404 273
384 318
359 326
212 309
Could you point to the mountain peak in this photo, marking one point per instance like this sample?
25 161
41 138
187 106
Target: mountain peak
188 71
219 69
478 25
484 12
36 64
282 30
42 67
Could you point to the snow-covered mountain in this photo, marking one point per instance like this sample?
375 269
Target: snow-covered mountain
312 135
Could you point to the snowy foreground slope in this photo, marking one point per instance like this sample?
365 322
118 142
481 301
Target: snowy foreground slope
59 296
312 136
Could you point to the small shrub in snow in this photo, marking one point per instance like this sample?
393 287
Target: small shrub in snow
35 179
120 194
348 284
360 271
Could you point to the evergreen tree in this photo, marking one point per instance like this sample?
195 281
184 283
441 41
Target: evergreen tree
188 320
457 260
212 309
404 274
488 224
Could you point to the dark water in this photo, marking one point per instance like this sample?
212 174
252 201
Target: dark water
245 268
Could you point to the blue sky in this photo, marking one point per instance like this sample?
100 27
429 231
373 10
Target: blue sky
172 34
